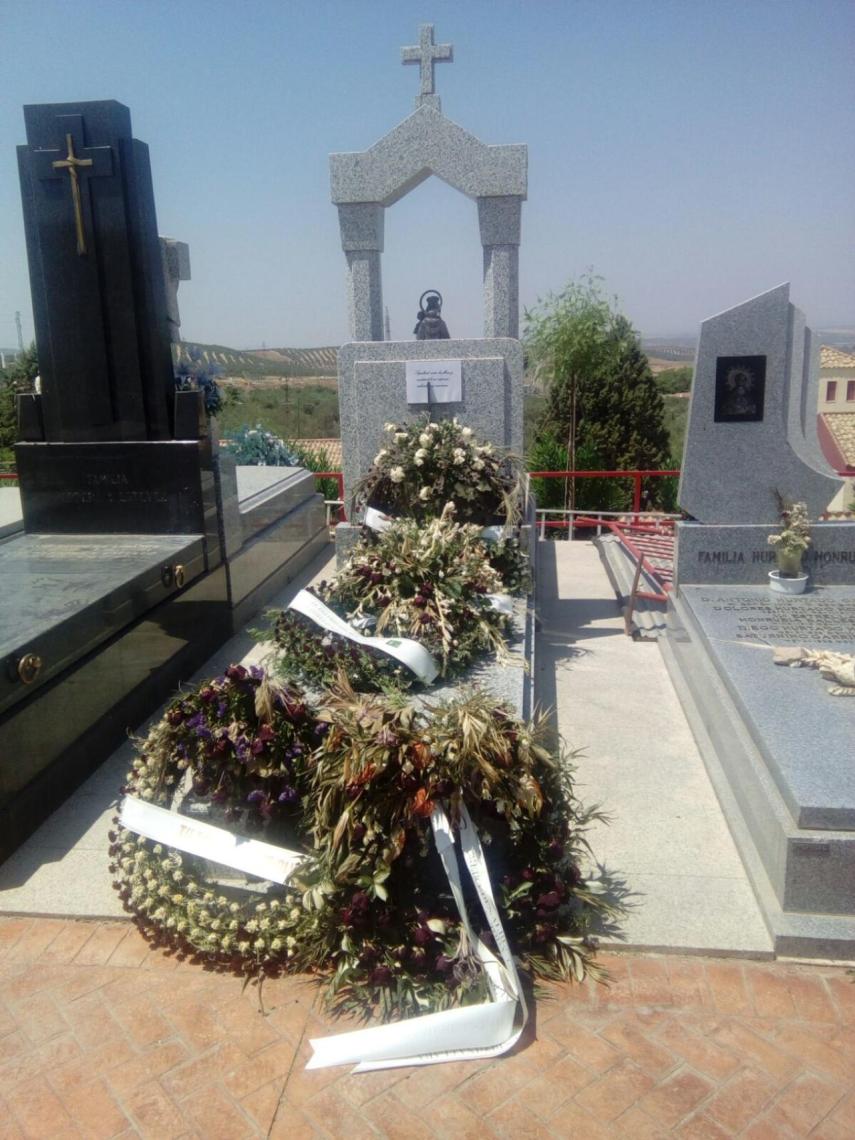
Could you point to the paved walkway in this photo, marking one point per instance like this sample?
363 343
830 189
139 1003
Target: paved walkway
102 1037
666 842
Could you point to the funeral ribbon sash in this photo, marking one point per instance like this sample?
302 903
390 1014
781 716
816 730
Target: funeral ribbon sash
403 649
196 837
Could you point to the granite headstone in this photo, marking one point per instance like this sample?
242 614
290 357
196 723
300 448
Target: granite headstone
372 372
751 434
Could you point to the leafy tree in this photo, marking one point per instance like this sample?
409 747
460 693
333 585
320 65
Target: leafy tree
15 379
602 397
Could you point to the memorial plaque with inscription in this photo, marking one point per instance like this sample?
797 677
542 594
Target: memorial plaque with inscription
816 619
740 386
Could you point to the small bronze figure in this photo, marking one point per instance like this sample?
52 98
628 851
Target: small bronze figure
429 323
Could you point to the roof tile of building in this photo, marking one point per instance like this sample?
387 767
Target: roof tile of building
841 426
330 447
834 358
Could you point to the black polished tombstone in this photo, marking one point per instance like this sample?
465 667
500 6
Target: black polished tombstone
118 588
107 446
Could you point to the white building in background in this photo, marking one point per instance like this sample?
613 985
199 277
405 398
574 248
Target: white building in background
836 409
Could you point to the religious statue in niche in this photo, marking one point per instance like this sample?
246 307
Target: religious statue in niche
429 322
740 383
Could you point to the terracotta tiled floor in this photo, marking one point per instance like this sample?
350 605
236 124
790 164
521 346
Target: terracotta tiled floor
102 1037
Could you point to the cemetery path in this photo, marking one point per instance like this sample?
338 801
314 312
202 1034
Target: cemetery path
666 848
101 1036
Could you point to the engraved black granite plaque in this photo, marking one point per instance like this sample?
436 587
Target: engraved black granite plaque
740 386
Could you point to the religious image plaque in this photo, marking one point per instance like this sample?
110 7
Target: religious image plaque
740 385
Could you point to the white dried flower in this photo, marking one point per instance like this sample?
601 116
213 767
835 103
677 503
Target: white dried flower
466 432
397 474
421 454
389 427
459 455
424 439
425 494
380 456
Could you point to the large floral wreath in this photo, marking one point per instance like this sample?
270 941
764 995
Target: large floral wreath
353 785
435 583
424 465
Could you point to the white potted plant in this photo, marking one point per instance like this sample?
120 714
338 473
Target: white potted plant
790 545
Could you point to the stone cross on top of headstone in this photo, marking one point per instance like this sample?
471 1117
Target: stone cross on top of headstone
426 55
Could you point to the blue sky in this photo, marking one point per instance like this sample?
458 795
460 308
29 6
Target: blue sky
693 152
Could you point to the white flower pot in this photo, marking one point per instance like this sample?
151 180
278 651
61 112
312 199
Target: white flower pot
787 585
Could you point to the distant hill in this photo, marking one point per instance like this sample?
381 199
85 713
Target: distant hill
670 350
252 364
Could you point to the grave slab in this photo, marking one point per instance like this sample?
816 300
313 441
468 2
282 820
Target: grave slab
73 592
727 554
777 750
804 734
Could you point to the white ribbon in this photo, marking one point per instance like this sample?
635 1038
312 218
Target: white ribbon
377 520
504 603
474 1032
470 1033
207 841
403 649
493 533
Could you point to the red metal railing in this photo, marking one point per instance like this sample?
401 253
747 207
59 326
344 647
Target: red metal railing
339 478
636 477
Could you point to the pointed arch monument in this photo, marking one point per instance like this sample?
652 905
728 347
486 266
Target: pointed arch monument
371 370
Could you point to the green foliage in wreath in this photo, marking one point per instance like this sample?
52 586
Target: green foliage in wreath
378 912
429 582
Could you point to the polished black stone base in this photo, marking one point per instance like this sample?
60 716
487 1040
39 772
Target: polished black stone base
55 737
64 595
116 631
146 487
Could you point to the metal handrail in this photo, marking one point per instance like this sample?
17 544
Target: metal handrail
635 475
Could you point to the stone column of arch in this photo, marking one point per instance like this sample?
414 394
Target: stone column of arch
499 223
362 228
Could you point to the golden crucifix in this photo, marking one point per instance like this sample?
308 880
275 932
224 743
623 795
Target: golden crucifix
70 163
